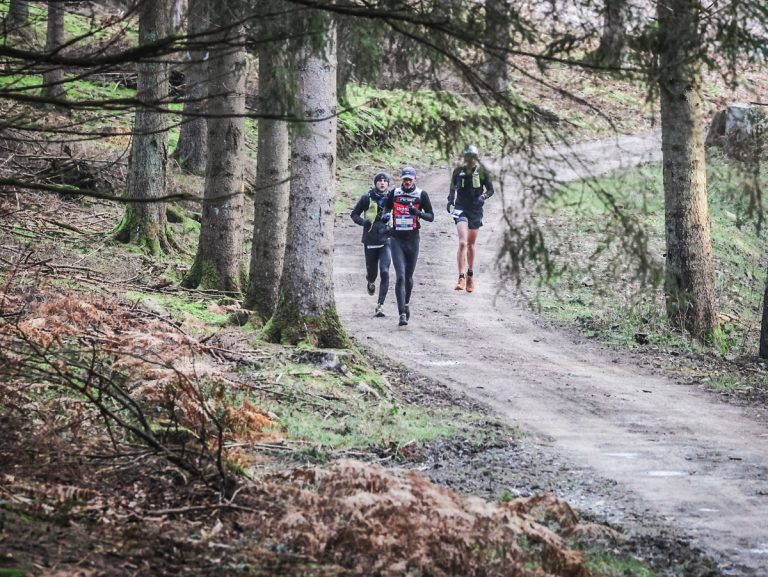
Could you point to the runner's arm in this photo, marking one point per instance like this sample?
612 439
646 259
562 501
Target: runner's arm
426 211
452 189
487 184
361 206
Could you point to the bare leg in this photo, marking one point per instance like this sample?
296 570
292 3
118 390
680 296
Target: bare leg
471 239
461 256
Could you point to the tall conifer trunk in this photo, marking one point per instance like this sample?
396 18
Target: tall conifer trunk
53 77
193 135
306 311
689 275
144 223
271 197
497 36
219 261
613 39
17 19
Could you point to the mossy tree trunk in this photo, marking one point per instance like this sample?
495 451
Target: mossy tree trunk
192 146
270 199
306 310
144 222
53 77
497 15
689 275
219 261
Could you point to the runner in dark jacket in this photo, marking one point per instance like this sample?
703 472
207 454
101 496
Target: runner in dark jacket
369 213
408 206
470 186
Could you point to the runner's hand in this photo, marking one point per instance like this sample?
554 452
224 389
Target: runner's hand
414 211
385 217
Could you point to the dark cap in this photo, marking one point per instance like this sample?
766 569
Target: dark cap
408 172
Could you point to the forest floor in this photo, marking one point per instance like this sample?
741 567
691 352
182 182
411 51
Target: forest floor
622 435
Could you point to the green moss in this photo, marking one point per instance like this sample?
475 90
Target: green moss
289 327
182 305
203 274
150 237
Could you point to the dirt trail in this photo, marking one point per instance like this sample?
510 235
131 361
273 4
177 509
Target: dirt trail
699 465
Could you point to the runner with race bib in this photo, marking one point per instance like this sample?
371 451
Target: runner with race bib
408 205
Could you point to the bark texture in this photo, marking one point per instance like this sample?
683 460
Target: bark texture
53 77
613 39
219 261
306 311
497 36
689 275
271 197
144 223
17 20
192 146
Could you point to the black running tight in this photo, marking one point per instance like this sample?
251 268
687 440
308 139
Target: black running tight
377 262
405 253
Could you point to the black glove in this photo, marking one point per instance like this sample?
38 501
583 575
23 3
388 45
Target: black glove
480 200
366 224
449 208
414 211
385 217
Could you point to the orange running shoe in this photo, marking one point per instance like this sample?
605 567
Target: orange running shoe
460 284
470 284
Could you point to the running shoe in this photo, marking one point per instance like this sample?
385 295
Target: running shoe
460 284
470 284
380 311
403 320
371 288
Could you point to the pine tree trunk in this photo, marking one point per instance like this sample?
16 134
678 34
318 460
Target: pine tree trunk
53 77
219 261
193 135
497 36
689 278
270 215
306 311
613 39
17 19
144 223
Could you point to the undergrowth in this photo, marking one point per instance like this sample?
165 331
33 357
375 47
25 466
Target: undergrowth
597 286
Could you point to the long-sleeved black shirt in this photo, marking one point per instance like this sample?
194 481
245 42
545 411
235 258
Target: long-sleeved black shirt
375 231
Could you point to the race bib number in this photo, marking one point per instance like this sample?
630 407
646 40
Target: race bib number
404 220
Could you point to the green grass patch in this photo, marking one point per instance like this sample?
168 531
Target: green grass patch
334 410
181 306
609 565
598 286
